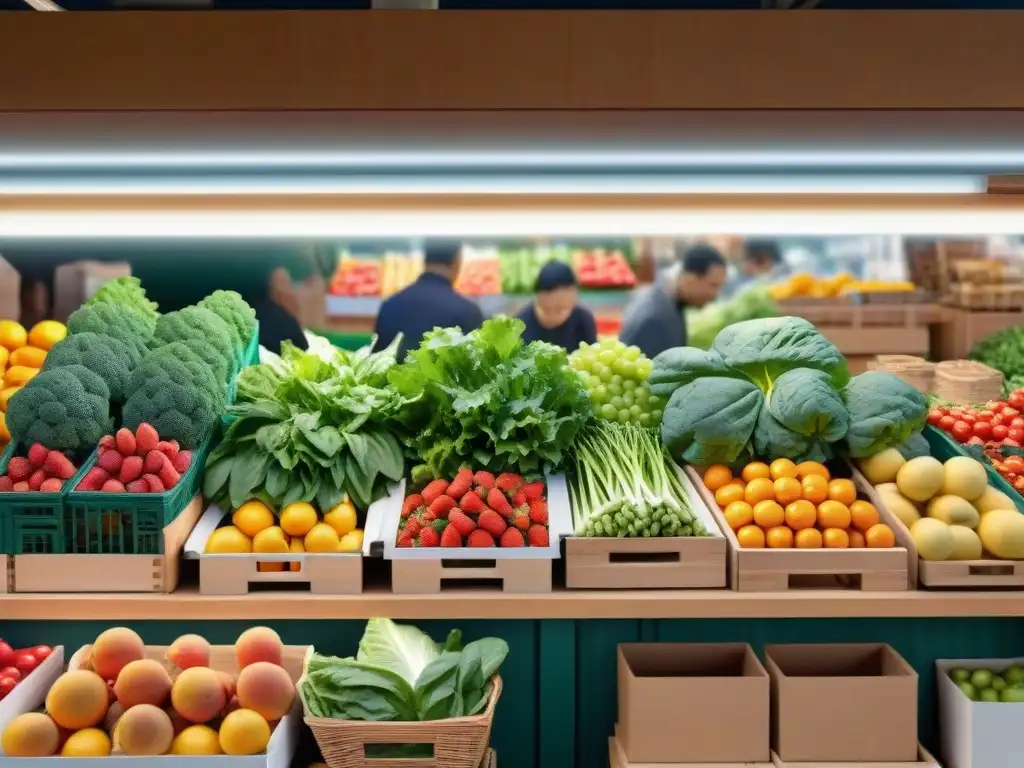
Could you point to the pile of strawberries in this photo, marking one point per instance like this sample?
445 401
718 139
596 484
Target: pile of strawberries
138 462
476 510
41 470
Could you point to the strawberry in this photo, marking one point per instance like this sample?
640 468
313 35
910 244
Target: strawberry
137 486
461 522
441 506
36 479
131 469
539 512
472 504
181 461
404 539
107 442
51 485
480 538
512 537
21 487
496 500
37 455
94 479
57 464
427 516
491 522
508 482
434 489
113 486
518 499
155 484
6 484
411 503
428 538
413 526
521 518
484 479
154 462
537 536
19 468
534 490
168 448
451 537
111 462
125 441
168 475
461 484
146 438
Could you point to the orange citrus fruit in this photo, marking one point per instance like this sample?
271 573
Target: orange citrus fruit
833 514
856 538
779 537
759 489
46 333
835 538
842 490
787 490
880 537
729 493
808 468
769 514
12 334
783 468
738 514
815 488
755 470
808 538
863 514
801 514
750 537
716 476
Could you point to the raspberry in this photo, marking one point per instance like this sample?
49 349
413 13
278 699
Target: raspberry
480 538
512 537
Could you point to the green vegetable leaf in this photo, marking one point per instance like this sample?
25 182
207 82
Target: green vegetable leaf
711 421
884 411
402 648
247 472
437 691
804 401
676 367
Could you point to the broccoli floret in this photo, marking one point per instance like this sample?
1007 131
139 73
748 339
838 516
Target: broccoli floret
202 350
65 409
103 355
233 309
127 292
125 324
198 323
178 363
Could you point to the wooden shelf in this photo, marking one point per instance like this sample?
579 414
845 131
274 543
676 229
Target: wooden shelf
472 604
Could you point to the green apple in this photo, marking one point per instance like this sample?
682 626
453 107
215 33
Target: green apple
969 690
981 678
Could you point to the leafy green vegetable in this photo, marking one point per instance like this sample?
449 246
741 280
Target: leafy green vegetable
915 445
884 412
711 420
1004 351
706 323
488 400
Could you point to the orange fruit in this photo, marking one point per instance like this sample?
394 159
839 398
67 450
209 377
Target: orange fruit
755 470
738 514
787 490
779 537
750 537
835 538
783 468
833 514
856 538
815 488
880 537
729 493
769 514
808 468
759 489
863 515
842 490
716 476
808 538
801 514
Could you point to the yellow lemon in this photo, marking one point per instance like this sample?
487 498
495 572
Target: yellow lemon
342 518
6 394
228 541
244 732
196 740
88 742
12 334
18 375
4 357
351 542
270 540
321 538
298 519
296 547
46 333
252 517
30 357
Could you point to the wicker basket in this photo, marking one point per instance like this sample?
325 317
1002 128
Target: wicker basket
967 381
916 371
460 742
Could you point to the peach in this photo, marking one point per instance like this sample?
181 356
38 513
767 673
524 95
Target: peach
78 700
229 683
30 735
198 695
258 644
114 649
113 715
267 689
189 651
142 682
144 730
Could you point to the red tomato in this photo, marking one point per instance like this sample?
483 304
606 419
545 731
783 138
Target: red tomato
946 423
1010 413
7 685
982 430
975 441
10 672
999 432
997 419
962 431
1016 434
6 654
1017 399
970 418
1017 421
935 416
25 662
41 652
986 415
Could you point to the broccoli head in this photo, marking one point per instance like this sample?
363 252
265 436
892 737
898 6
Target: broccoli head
103 355
198 323
125 324
65 409
168 396
230 307
176 362
127 292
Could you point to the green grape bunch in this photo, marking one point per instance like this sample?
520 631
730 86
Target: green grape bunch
615 377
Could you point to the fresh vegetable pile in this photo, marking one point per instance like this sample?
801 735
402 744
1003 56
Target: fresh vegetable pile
984 684
623 485
615 377
1003 351
18 663
1000 422
704 324
299 527
476 509
776 388
136 462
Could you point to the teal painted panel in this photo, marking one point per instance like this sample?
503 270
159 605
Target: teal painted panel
596 697
556 697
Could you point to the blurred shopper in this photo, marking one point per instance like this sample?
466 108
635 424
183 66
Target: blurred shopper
762 263
555 314
655 319
430 302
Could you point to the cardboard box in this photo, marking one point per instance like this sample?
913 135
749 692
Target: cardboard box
717 686
842 703
76 282
976 734
10 291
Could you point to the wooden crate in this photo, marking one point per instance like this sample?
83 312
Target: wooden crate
109 573
962 329
430 576
778 570
6 574
617 759
986 298
925 760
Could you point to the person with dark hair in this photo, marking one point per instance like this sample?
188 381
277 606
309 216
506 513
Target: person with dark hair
655 319
555 315
762 262
430 302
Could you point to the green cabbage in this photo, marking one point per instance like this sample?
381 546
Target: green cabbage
884 412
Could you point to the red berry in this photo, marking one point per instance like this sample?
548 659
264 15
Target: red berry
111 462
131 469
6 484
537 536
168 448
441 506
496 500
451 537
181 461
113 486
21 487
51 485
37 455
125 441
413 526
521 519
471 503
433 490
512 537
518 499
480 538
428 538
508 482
484 479
458 520
94 479
153 462
146 438
411 504
492 522
155 484
57 464
462 483
19 468
539 512
35 480
108 442
404 539
137 486
168 475
534 490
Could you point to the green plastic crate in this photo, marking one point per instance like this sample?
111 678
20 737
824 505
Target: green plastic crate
32 523
945 447
128 523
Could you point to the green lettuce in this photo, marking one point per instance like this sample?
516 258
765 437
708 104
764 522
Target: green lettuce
884 412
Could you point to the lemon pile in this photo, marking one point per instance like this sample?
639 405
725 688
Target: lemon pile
22 354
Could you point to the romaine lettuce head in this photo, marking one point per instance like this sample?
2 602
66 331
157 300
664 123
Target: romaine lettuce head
884 412
675 367
804 401
711 420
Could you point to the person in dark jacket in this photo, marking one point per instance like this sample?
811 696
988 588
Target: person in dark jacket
555 315
655 319
430 302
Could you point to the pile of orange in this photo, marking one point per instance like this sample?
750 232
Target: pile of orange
787 505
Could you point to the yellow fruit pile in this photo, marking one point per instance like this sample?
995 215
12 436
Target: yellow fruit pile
795 505
804 286
22 354
298 528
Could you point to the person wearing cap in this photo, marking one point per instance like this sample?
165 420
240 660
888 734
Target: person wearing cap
655 319
430 302
555 315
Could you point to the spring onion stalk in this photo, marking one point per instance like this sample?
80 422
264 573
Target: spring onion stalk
624 485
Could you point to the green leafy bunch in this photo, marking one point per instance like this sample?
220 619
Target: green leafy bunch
127 292
1002 350
706 323
487 400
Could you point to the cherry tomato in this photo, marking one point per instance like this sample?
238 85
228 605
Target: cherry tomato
1010 413
41 652
1016 434
1015 464
982 430
962 431
7 685
935 416
1017 421
946 423
10 672
997 419
25 662
6 654
1016 399
986 415
1011 443
999 432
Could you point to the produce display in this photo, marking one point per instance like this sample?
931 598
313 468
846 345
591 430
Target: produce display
950 509
776 388
786 504
983 684
480 275
1003 351
39 470
18 663
704 324
356 277
616 379
805 286
136 462
993 433
603 269
22 354
299 527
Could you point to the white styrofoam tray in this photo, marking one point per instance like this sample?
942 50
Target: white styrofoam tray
977 734
28 695
383 516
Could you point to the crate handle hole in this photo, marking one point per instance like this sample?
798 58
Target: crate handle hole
824 581
457 583
389 752
644 557
274 566
468 564
990 570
